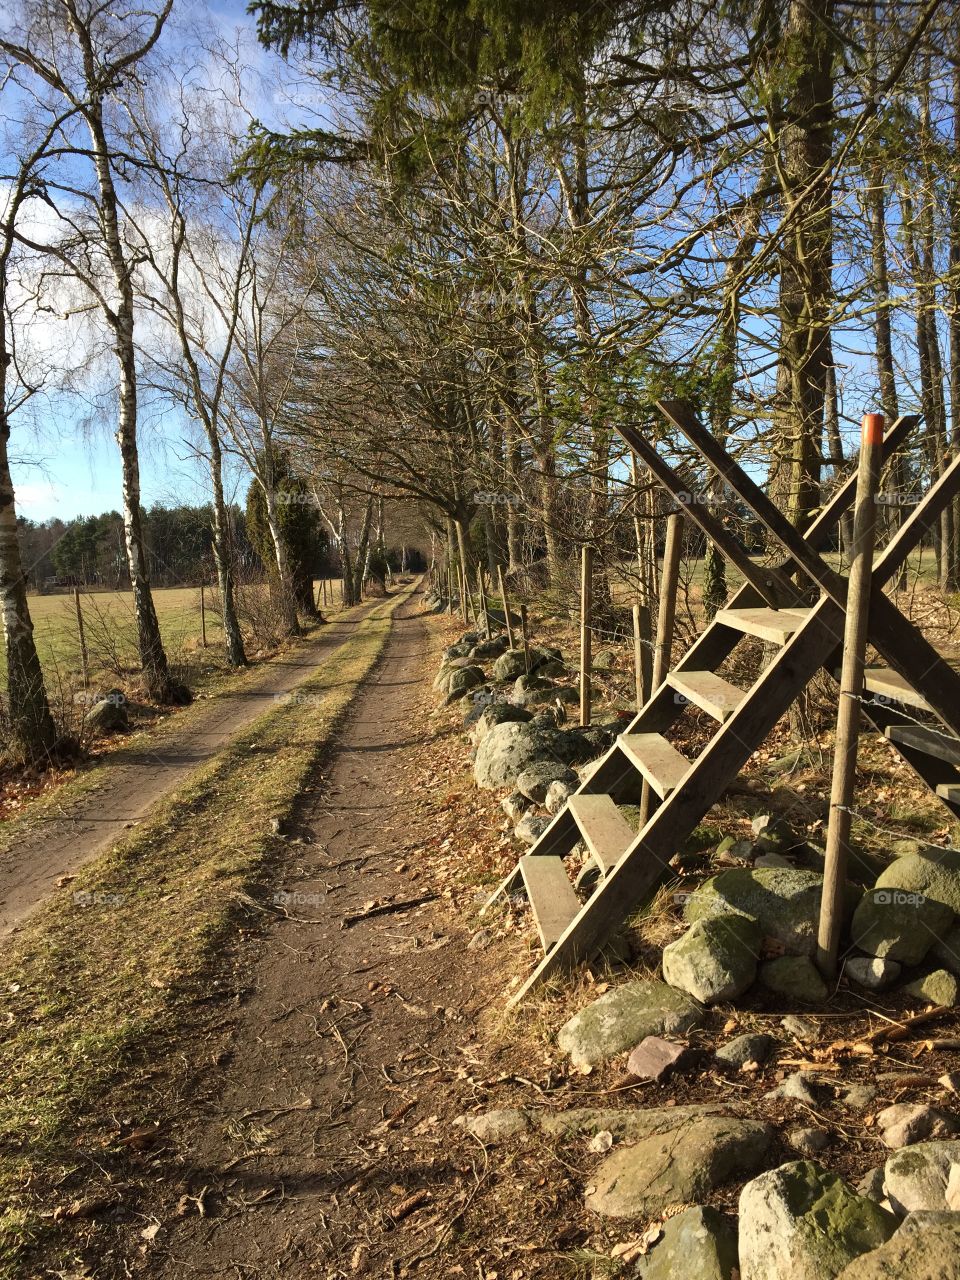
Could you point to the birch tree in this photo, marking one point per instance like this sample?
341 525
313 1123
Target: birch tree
81 54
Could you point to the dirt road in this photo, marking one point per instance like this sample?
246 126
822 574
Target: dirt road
134 778
321 1142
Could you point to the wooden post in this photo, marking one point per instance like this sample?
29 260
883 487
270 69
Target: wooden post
586 610
506 606
84 660
526 637
483 601
667 613
666 616
640 683
855 635
323 588
203 619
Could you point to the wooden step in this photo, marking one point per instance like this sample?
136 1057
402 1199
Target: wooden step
893 686
552 899
605 830
775 625
705 689
941 745
658 760
950 791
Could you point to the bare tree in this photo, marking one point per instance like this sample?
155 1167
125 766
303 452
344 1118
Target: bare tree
33 732
82 54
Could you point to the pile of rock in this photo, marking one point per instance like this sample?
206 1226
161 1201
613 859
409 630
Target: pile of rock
739 916
516 722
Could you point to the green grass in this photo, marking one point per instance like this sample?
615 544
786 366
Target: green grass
93 982
111 634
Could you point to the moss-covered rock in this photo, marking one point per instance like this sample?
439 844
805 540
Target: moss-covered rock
784 901
625 1016
716 959
895 924
795 978
804 1222
683 1166
698 1244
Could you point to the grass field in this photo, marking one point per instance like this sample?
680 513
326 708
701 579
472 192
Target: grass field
111 634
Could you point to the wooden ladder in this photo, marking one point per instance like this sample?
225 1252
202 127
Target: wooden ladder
805 620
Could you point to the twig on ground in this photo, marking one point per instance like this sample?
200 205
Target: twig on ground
385 908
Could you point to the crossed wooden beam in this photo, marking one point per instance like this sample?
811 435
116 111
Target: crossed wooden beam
895 638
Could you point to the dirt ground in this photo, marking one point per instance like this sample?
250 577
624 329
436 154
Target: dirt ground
317 1139
135 777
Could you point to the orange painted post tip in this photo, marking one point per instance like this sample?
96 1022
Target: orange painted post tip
872 428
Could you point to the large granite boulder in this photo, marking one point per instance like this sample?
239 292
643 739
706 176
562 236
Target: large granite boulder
535 781
803 1222
716 959
698 1244
625 1016
784 901
917 1177
932 871
509 748
927 1247
462 681
680 1167
894 924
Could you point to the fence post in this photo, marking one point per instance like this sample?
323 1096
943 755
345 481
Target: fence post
526 637
666 617
639 673
586 610
855 635
203 619
483 601
506 606
84 660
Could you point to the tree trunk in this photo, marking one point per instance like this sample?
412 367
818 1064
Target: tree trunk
288 600
223 559
363 546
806 255
32 730
153 659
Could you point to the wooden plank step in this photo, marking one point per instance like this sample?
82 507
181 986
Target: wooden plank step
659 761
890 684
605 830
552 899
705 689
930 741
950 791
775 625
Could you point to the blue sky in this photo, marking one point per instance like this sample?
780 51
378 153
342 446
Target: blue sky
62 470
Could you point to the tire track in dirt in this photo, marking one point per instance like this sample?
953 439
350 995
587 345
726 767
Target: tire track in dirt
135 778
